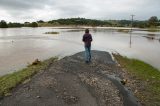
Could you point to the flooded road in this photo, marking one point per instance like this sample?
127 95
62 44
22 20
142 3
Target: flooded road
21 46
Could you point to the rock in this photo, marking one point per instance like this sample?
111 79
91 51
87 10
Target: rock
36 62
38 97
64 89
124 81
65 93
118 65
69 99
7 94
56 90
94 80
135 91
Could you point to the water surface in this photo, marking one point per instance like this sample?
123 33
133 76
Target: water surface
20 46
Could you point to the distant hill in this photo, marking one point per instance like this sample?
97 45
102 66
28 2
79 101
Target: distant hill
152 22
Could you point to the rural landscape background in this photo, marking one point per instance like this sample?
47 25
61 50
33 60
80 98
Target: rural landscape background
42 53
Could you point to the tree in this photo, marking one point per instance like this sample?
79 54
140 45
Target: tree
33 24
40 21
140 24
153 21
26 24
158 22
13 25
3 24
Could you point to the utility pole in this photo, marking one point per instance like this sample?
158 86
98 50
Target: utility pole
131 29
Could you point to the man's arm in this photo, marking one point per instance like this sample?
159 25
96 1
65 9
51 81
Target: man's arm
91 38
83 39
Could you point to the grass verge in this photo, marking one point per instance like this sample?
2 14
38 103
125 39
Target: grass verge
146 76
9 81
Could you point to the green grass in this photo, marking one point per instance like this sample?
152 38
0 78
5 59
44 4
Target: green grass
9 81
144 73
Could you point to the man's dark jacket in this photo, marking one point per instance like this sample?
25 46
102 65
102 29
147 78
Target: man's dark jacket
87 39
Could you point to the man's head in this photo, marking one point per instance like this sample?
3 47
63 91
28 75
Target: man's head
87 31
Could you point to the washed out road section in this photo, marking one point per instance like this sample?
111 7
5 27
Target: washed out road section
70 81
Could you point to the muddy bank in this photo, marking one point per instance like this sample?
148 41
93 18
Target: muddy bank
70 81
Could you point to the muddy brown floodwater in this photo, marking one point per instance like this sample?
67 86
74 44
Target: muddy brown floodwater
20 46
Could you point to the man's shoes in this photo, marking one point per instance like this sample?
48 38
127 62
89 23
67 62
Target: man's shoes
87 62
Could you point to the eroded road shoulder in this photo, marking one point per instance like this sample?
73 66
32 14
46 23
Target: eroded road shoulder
71 82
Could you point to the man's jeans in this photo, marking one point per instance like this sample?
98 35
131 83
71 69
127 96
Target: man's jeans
87 53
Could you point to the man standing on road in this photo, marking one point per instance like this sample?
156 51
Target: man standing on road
87 39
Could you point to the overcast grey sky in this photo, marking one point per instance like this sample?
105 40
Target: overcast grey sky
33 10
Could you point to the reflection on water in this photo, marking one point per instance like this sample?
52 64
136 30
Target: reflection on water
152 37
20 46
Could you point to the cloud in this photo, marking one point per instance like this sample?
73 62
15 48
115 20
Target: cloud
33 10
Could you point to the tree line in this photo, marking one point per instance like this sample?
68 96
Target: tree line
151 22
4 24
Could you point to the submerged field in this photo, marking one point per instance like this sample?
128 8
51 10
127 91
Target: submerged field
27 44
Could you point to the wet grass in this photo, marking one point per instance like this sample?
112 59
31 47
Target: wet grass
124 30
143 73
52 33
9 81
153 29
